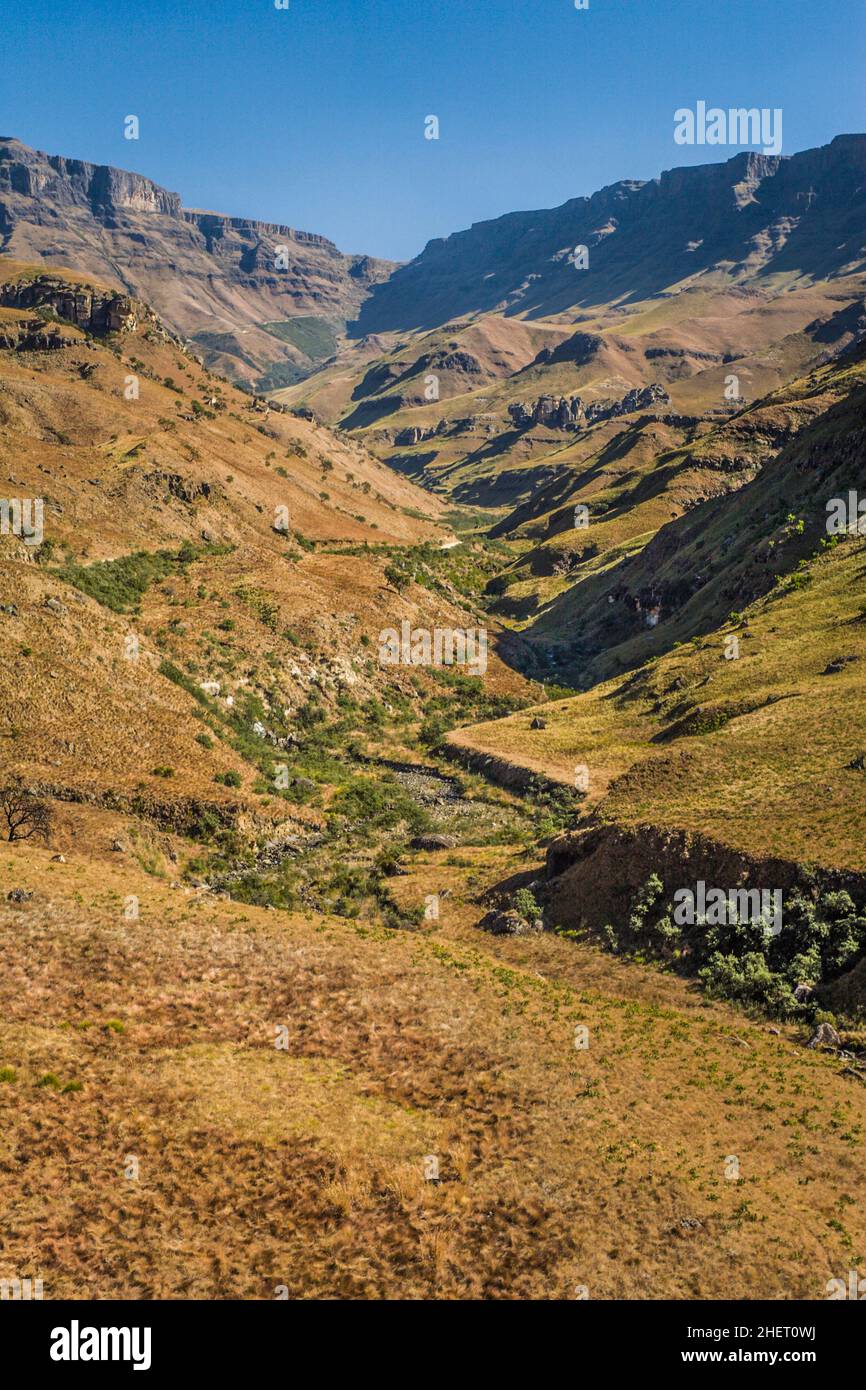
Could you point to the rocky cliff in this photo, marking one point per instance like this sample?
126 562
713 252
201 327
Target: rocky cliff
231 283
751 215
570 413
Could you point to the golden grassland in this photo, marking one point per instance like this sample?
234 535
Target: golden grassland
154 1040
190 461
772 774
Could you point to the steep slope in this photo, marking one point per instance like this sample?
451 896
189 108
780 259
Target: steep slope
761 488
199 556
753 217
731 751
260 299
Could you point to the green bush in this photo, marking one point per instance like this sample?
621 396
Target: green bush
525 903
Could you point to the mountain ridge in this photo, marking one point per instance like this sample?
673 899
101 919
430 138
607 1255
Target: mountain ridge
226 282
492 242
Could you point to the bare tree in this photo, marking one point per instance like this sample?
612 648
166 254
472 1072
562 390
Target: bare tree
24 814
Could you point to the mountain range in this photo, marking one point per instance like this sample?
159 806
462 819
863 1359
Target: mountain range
344 945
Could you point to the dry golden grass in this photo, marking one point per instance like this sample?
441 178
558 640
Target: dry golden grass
306 1168
773 780
120 476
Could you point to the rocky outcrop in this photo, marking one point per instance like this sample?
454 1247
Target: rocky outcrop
594 872
91 309
508 923
641 398
416 434
561 413
557 413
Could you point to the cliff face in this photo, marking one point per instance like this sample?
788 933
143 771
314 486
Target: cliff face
213 278
73 182
60 305
750 216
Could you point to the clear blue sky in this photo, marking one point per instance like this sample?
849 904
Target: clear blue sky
314 116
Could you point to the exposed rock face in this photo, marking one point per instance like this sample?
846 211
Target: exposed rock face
641 398
555 413
416 434
825 1035
52 307
74 182
752 213
430 842
569 414
93 310
209 276
508 923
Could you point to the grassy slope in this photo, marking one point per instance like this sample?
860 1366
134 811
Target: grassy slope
773 780
305 1168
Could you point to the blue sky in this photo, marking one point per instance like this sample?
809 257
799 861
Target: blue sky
314 115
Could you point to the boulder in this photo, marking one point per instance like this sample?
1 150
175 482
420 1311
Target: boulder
508 923
825 1035
433 842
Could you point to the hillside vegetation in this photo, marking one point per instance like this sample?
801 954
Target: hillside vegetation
347 978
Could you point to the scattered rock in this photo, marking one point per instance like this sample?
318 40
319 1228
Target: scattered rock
19 895
837 664
508 923
54 606
58 858
433 842
538 723
825 1035
118 846
688 1226
803 992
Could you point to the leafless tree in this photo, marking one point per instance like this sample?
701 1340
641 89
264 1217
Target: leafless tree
24 814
